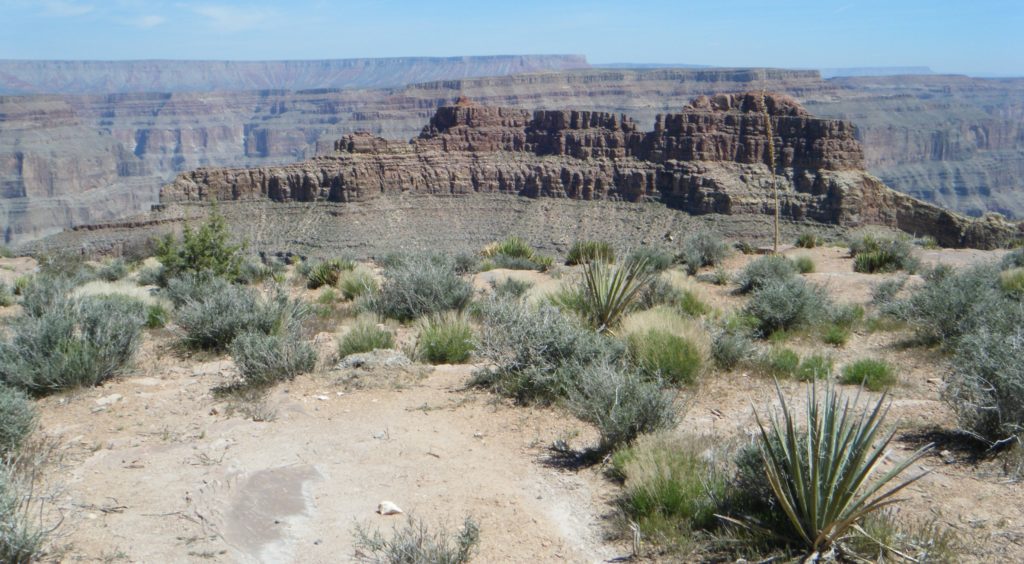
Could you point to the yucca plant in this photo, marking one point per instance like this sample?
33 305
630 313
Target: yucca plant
821 476
610 291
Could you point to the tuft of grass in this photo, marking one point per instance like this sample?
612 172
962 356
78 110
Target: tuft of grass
583 252
415 543
356 283
836 335
512 246
804 264
780 362
875 375
365 336
21 537
874 251
663 355
156 316
6 295
445 339
1012 281
814 367
821 477
113 271
807 240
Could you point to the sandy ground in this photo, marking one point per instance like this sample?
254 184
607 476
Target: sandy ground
156 468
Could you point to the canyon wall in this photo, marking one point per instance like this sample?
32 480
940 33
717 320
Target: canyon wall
712 157
71 159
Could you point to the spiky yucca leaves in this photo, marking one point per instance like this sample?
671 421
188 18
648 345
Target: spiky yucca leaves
820 475
610 291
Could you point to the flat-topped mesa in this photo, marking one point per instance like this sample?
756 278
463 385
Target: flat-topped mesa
732 128
712 157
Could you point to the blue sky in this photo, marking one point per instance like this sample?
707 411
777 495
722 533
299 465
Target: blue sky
980 37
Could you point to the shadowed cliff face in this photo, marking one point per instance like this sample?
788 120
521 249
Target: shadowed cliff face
74 159
710 158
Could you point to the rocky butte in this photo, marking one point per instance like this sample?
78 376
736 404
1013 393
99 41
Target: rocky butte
712 157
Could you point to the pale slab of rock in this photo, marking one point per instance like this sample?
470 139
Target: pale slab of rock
388 508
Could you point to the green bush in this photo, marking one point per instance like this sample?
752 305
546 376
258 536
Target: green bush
445 339
814 367
205 249
583 252
836 335
804 264
17 420
536 354
45 293
267 359
511 288
151 276
780 363
156 316
6 296
662 355
420 286
327 273
414 543
609 293
729 349
113 271
877 252
807 240
365 336
821 477
786 305
77 342
21 537
657 260
357 282
986 386
875 375
761 271
702 247
952 303
621 404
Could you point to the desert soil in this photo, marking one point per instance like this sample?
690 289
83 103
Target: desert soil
155 467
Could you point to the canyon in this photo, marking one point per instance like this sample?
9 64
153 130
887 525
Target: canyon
69 159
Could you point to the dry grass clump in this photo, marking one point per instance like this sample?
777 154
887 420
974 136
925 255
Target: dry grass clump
415 543
365 336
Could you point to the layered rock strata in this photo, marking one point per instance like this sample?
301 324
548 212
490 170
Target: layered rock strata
710 158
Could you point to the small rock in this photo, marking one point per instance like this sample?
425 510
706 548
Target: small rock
108 400
947 457
388 508
322 398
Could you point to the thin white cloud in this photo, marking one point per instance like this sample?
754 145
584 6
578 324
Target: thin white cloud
230 18
145 22
65 9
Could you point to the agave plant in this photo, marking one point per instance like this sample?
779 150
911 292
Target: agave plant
610 291
821 476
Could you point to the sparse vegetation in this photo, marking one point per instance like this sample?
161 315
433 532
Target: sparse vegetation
357 282
445 339
264 359
874 251
420 286
583 252
657 259
787 304
6 296
702 248
113 270
875 375
327 273
780 362
513 288
17 419
730 349
804 264
515 253
415 543
365 336
761 271
807 240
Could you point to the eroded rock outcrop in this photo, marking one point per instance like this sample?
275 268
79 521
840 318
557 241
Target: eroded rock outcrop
710 158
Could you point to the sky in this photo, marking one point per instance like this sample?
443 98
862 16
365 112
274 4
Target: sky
977 37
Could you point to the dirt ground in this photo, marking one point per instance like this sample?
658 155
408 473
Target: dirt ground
157 468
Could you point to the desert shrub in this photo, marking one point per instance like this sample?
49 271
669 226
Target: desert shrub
884 293
225 311
156 316
846 315
729 349
836 335
365 336
780 363
45 293
745 247
415 543
878 252
21 537
804 264
662 292
621 403
357 282
952 303
327 273
252 272
787 304
670 487
1012 281
656 259
814 367
267 359
702 247
466 263
875 375
151 276
21 283
535 354
420 286
1013 259
512 246
17 419
445 339
986 386
662 355
821 477
205 249
113 271
77 342
761 271
6 295
889 536
583 252
807 240
193 287
513 288
611 292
